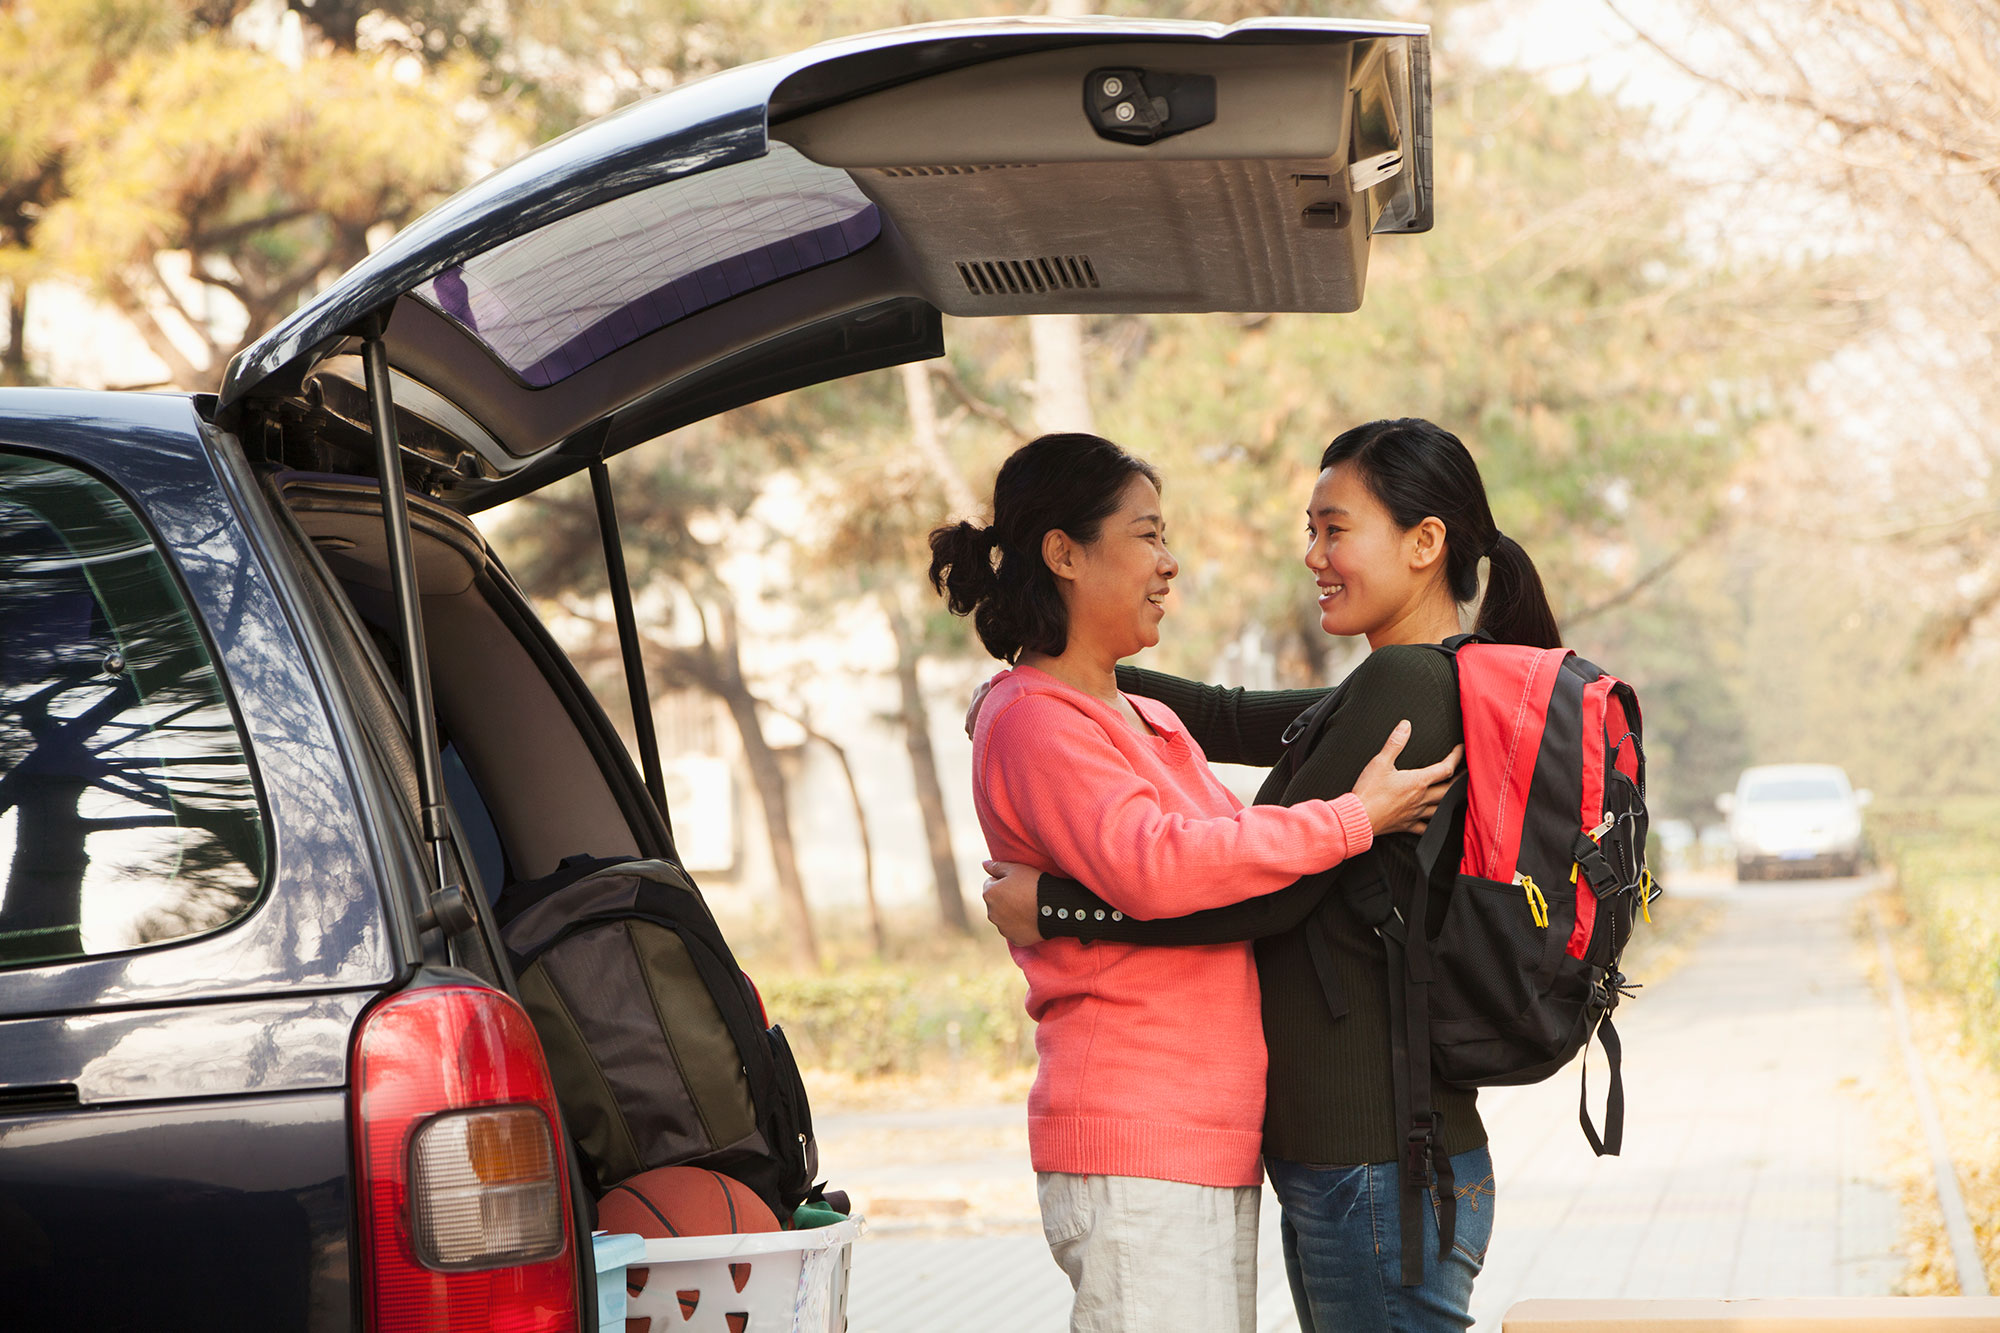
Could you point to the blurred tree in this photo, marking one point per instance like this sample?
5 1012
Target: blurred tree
684 507
878 476
1608 375
881 495
52 61
1886 114
200 185
910 616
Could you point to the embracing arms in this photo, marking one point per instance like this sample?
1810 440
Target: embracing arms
1050 772
1232 725
1414 683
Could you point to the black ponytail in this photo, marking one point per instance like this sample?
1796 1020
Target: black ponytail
1516 606
1066 482
1419 470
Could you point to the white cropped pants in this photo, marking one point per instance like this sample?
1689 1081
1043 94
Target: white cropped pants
1146 1255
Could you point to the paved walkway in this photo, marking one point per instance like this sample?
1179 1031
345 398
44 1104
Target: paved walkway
1752 1165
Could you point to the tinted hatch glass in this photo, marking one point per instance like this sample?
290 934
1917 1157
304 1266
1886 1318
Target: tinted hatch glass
551 302
128 812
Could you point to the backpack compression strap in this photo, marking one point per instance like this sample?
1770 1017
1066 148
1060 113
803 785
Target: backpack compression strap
1614 1100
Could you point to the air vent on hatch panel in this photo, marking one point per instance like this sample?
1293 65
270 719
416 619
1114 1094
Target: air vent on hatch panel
1026 277
954 171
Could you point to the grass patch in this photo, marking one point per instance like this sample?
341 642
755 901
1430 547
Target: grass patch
939 1007
1947 860
888 1020
1943 917
1966 1086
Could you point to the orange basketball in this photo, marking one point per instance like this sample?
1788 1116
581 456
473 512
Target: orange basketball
683 1201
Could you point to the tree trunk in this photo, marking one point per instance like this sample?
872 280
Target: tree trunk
839 753
181 372
770 783
876 932
771 794
14 361
923 766
43 913
1062 389
922 399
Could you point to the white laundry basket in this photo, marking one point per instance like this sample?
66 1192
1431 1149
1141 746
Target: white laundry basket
777 1281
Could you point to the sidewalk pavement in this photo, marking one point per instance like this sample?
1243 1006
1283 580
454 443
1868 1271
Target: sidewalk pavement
1752 1165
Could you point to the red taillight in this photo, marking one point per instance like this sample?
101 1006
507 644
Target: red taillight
464 1223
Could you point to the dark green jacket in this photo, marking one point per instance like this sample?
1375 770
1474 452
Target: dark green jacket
1330 1099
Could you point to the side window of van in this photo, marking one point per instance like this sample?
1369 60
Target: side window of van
129 816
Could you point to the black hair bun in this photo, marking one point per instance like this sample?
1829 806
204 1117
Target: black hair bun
962 564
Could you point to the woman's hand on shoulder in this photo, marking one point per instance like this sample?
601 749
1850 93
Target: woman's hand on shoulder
1011 892
1402 800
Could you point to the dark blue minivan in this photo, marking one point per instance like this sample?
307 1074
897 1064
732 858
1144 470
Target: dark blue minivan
276 725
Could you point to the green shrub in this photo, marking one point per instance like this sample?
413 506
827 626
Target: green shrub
891 1020
1947 858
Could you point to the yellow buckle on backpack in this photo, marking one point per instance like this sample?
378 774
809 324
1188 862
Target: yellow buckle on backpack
1538 905
1646 895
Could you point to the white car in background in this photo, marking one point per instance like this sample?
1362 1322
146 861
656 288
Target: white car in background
1795 818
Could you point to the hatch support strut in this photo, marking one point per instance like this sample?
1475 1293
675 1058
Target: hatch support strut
628 633
448 907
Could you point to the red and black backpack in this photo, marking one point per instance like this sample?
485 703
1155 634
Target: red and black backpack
1552 873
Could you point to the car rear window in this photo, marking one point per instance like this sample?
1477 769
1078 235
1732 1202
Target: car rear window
1774 790
549 303
129 816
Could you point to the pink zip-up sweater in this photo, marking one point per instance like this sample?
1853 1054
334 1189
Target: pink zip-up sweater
1152 1059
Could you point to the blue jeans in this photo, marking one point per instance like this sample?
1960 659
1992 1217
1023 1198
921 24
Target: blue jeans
1342 1234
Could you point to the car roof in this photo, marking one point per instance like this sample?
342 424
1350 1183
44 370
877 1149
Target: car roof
815 215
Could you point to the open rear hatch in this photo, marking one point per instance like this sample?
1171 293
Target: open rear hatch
816 215
804 219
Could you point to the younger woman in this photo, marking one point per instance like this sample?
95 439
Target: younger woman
1144 1121
1395 529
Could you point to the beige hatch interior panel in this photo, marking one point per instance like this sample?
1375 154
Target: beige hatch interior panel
544 789
1254 211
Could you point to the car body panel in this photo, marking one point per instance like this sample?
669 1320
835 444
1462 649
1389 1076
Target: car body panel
221 1213
133 1055
320 924
811 216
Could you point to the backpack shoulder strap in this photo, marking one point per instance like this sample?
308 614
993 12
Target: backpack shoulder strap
523 894
1431 845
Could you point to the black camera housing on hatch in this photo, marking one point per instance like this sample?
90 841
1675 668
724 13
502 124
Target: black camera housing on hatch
1144 106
